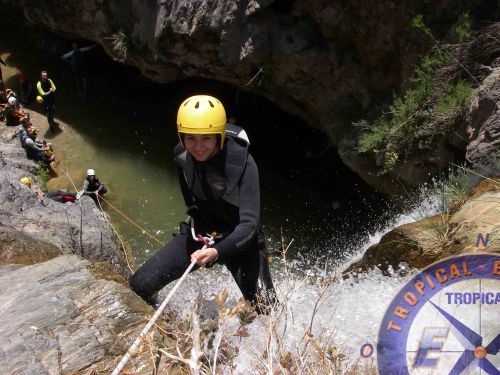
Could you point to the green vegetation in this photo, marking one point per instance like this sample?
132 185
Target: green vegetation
457 188
457 97
119 42
43 176
464 28
420 117
199 18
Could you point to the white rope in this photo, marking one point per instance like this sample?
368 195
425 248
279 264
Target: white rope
148 326
208 242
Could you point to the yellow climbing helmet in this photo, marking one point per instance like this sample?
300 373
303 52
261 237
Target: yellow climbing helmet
39 99
202 114
26 181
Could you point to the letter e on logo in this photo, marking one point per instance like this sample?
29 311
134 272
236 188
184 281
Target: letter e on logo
432 339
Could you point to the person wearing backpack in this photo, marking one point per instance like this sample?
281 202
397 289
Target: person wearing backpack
219 181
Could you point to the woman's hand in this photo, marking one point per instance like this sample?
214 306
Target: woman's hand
204 256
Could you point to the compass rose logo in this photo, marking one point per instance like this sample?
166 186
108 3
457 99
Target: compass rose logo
445 320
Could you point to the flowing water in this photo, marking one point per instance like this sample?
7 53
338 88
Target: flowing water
348 315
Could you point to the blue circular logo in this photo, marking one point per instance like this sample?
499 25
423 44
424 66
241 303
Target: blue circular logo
445 320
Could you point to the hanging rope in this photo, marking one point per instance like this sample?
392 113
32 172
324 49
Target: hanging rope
208 241
105 217
132 222
116 232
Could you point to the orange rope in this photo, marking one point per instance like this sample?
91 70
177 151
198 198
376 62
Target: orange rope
132 222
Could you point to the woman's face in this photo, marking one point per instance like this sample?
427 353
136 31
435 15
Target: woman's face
201 146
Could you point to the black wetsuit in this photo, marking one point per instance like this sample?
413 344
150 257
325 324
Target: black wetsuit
225 190
89 187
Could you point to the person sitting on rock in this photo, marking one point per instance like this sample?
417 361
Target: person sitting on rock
3 104
13 112
23 130
10 93
60 196
37 150
92 186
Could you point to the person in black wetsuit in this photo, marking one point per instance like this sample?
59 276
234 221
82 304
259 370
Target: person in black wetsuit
219 181
78 68
47 94
92 186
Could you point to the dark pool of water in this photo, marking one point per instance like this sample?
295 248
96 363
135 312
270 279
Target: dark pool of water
126 130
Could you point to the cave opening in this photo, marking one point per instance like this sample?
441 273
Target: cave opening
303 179
307 191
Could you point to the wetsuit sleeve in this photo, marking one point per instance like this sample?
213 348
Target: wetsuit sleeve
86 187
249 212
67 54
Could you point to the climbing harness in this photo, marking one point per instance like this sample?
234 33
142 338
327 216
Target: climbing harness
207 241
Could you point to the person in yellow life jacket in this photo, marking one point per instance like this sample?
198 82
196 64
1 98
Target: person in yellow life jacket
47 91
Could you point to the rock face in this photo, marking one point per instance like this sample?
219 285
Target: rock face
60 313
62 317
328 62
484 122
431 239
56 227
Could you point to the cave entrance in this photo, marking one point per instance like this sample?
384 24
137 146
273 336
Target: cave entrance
126 129
307 191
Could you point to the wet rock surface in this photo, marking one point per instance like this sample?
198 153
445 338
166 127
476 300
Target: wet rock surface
60 313
61 226
484 125
428 240
59 317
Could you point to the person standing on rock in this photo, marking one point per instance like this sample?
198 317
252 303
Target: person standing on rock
219 181
47 94
92 186
78 68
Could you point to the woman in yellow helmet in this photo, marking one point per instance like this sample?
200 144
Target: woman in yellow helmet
219 181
